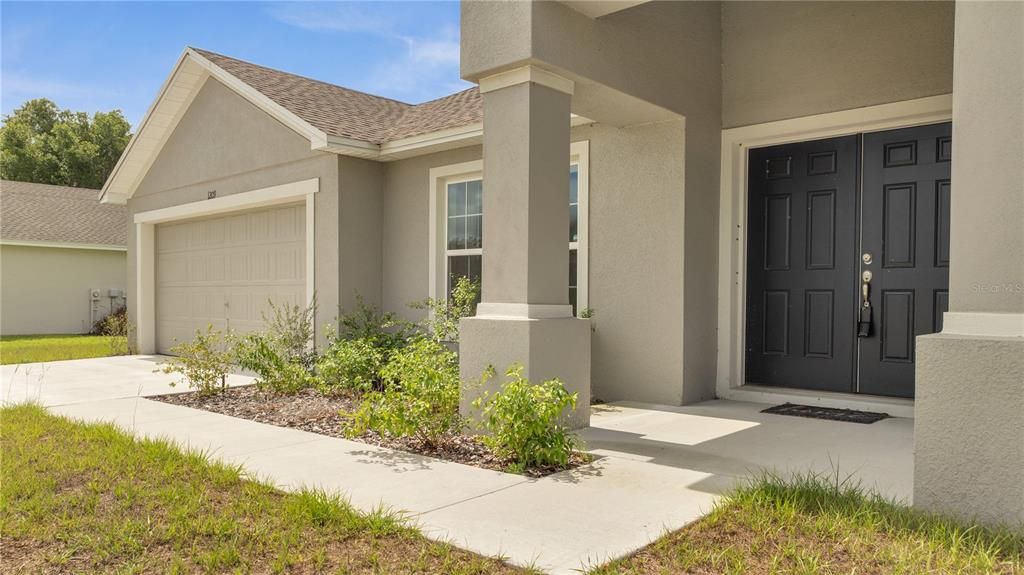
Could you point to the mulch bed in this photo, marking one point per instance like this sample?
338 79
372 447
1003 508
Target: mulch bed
310 410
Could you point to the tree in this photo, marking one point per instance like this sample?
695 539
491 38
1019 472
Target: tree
41 143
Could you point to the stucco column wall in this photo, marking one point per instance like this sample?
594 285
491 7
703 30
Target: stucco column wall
524 316
969 412
526 207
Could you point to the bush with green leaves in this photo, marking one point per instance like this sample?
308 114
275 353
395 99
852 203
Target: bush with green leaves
420 399
289 330
350 364
204 362
258 353
442 322
524 421
385 330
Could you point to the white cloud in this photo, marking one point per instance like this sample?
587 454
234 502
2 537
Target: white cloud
337 17
426 66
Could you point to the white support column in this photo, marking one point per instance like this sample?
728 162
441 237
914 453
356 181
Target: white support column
969 412
525 316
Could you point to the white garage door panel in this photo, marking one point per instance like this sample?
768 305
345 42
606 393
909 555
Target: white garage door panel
224 270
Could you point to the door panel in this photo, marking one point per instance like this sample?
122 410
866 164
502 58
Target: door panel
905 228
222 271
801 250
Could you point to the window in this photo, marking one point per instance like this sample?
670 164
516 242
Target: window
464 231
457 232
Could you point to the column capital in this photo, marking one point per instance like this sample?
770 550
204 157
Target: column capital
525 74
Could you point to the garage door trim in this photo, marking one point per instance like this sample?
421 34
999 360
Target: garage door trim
145 244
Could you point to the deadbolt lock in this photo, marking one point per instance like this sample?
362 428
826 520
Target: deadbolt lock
866 258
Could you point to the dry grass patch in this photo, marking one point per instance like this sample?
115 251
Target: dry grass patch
810 525
89 498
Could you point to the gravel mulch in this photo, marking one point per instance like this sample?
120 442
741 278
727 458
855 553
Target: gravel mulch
310 410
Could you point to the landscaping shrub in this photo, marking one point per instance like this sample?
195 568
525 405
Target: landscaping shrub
203 362
524 421
420 398
442 322
275 370
289 331
384 330
116 326
350 364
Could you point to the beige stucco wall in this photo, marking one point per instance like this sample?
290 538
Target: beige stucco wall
225 144
46 290
790 59
406 229
636 253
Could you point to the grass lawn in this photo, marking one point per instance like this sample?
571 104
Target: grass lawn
89 498
32 348
810 526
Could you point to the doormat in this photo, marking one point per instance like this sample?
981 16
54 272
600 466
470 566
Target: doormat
848 415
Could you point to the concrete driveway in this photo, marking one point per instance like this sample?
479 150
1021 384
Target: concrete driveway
657 468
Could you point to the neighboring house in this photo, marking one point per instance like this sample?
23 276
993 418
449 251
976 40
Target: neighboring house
62 258
714 179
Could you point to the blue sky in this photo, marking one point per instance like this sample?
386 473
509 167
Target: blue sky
94 56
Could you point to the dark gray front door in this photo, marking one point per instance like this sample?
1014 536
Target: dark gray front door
801 255
819 215
905 230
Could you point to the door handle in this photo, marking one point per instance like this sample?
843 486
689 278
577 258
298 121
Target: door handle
864 323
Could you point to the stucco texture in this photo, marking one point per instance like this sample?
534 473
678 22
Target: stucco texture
791 59
969 427
636 254
46 290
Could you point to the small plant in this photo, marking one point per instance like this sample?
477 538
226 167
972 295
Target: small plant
443 321
524 421
384 330
256 352
119 329
586 313
289 329
203 363
350 364
420 398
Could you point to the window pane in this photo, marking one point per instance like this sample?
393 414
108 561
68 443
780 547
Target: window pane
574 184
474 272
574 223
458 266
572 300
572 268
474 232
457 233
457 199
474 197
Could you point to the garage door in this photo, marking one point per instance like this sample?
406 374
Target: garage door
223 271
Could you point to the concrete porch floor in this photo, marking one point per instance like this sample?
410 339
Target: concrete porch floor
657 468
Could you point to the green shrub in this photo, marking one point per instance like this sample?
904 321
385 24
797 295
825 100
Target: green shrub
350 364
420 398
203 362
257 353
289 331
442 322
384 330
524 421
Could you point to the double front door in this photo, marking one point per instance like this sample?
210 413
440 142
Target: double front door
847 259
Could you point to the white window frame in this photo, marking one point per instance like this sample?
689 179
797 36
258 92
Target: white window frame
440 177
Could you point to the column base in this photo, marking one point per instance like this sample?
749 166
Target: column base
546 348
969 427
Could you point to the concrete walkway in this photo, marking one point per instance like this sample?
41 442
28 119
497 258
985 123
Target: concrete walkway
657 468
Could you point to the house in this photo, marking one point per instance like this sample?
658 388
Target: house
818 202
62 258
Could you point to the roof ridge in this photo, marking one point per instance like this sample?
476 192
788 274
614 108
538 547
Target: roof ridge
203 51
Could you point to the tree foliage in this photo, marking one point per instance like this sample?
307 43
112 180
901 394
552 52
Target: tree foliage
44 144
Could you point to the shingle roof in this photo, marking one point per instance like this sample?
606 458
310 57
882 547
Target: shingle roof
339 111
59 214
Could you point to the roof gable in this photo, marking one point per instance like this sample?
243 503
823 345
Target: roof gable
333 118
